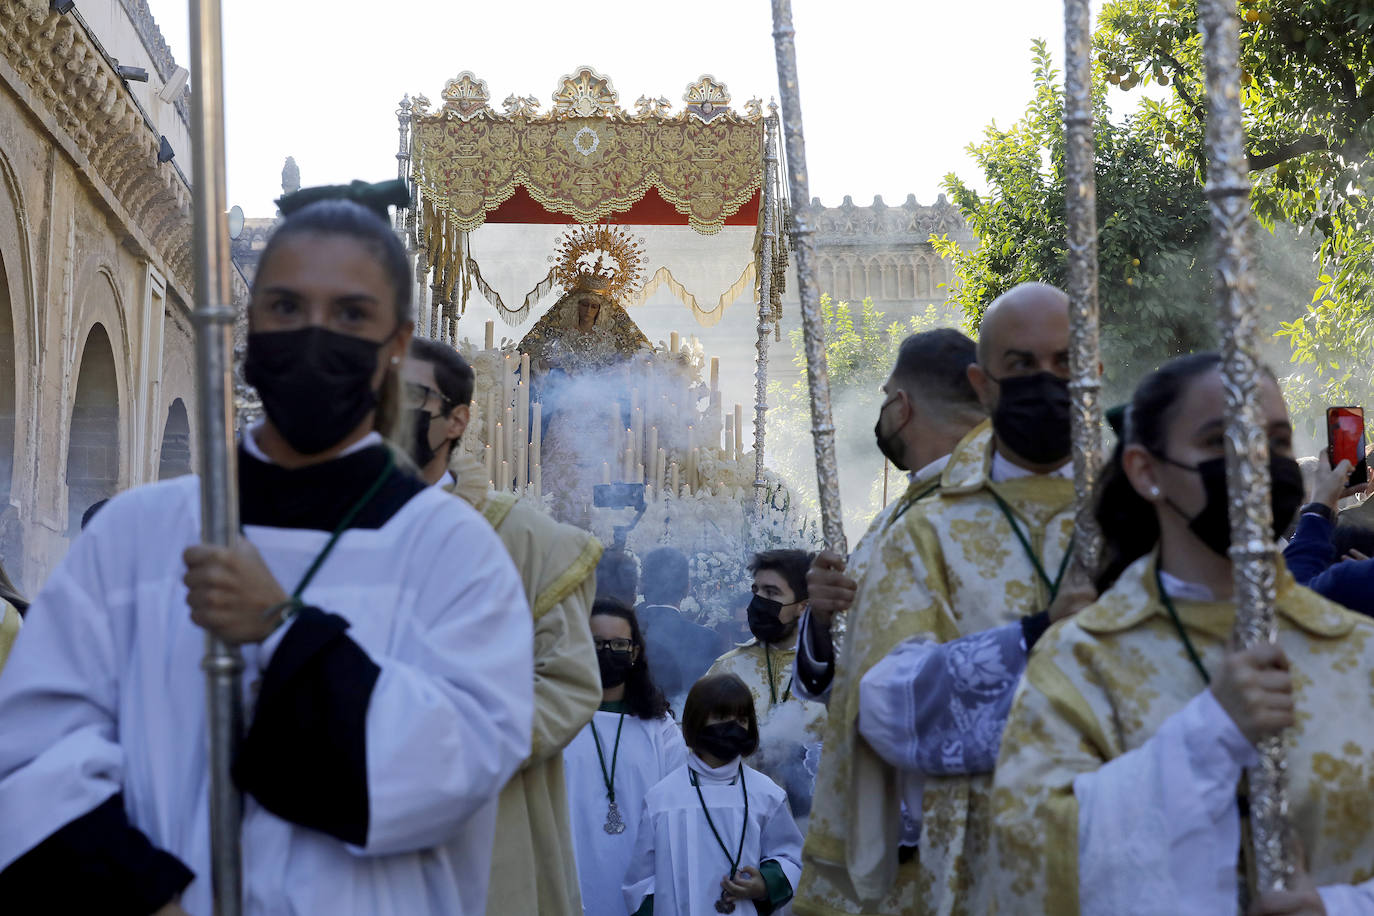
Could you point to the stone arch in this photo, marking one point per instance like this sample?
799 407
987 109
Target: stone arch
93 440
175 454
8 388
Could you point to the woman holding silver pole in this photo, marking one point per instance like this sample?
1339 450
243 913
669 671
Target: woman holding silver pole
387 705
1119 785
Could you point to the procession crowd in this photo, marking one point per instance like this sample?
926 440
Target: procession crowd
457 705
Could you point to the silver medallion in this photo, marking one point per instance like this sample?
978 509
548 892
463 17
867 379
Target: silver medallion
614 823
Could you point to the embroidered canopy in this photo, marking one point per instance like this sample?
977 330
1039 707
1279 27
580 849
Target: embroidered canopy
585 160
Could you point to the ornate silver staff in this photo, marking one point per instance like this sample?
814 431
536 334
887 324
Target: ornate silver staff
770 233
1080 200
813 331
1247 445
219 521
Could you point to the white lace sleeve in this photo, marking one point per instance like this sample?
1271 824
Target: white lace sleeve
1158 827
940 707
1348 899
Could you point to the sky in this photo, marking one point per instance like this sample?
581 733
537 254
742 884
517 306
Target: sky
892 91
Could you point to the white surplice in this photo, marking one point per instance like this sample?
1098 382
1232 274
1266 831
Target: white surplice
105 694
677 858
650 749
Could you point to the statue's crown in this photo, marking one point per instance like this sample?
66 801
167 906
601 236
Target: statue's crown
619 266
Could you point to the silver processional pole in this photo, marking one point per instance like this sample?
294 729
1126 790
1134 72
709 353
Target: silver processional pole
1247 444
803 244
1080 199
768 203
214 319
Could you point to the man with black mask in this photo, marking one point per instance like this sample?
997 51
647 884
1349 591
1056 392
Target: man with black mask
557 565
952 597
789 727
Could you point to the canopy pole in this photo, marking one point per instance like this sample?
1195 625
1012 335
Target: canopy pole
214 320
1247 443
803 244
770 233
1085 361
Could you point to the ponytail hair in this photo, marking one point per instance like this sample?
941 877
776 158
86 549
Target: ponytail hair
1130 528
643 699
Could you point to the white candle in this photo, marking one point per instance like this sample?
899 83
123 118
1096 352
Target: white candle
487 456
537 435
491 335
538 483
639 473
728 453
490 416
673 342
715 374
605 472
505 476
652 451
739 432
661 468
673 479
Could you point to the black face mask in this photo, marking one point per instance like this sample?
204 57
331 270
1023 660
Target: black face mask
1213 525
725 741
891 447
764 623
1032 416
315 384
420 449
615 666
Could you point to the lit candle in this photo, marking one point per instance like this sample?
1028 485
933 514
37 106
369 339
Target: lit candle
491 335
538 483
661 468
639 473
673 479
728 453
487 456
505 476
605 472
521 454
627 466
649 493
499 447
653 447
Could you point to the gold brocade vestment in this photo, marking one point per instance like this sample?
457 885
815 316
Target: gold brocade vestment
532 866
787 723
1102 683
950 566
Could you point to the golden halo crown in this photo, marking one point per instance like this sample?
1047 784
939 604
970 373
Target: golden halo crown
599 258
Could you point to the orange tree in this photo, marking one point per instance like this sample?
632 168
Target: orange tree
1152 218
1308 90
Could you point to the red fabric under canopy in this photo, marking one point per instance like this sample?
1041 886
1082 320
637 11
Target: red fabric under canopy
649 210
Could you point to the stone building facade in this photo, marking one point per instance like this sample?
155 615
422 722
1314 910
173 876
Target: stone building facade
96 348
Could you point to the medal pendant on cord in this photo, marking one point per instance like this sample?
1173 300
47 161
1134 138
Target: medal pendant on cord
615 824
725 904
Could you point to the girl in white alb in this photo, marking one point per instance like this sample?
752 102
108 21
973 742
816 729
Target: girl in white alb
630 744
715 835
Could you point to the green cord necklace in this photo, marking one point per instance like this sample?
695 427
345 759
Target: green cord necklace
1053 586
615 824
725 904
1178 626
288 608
